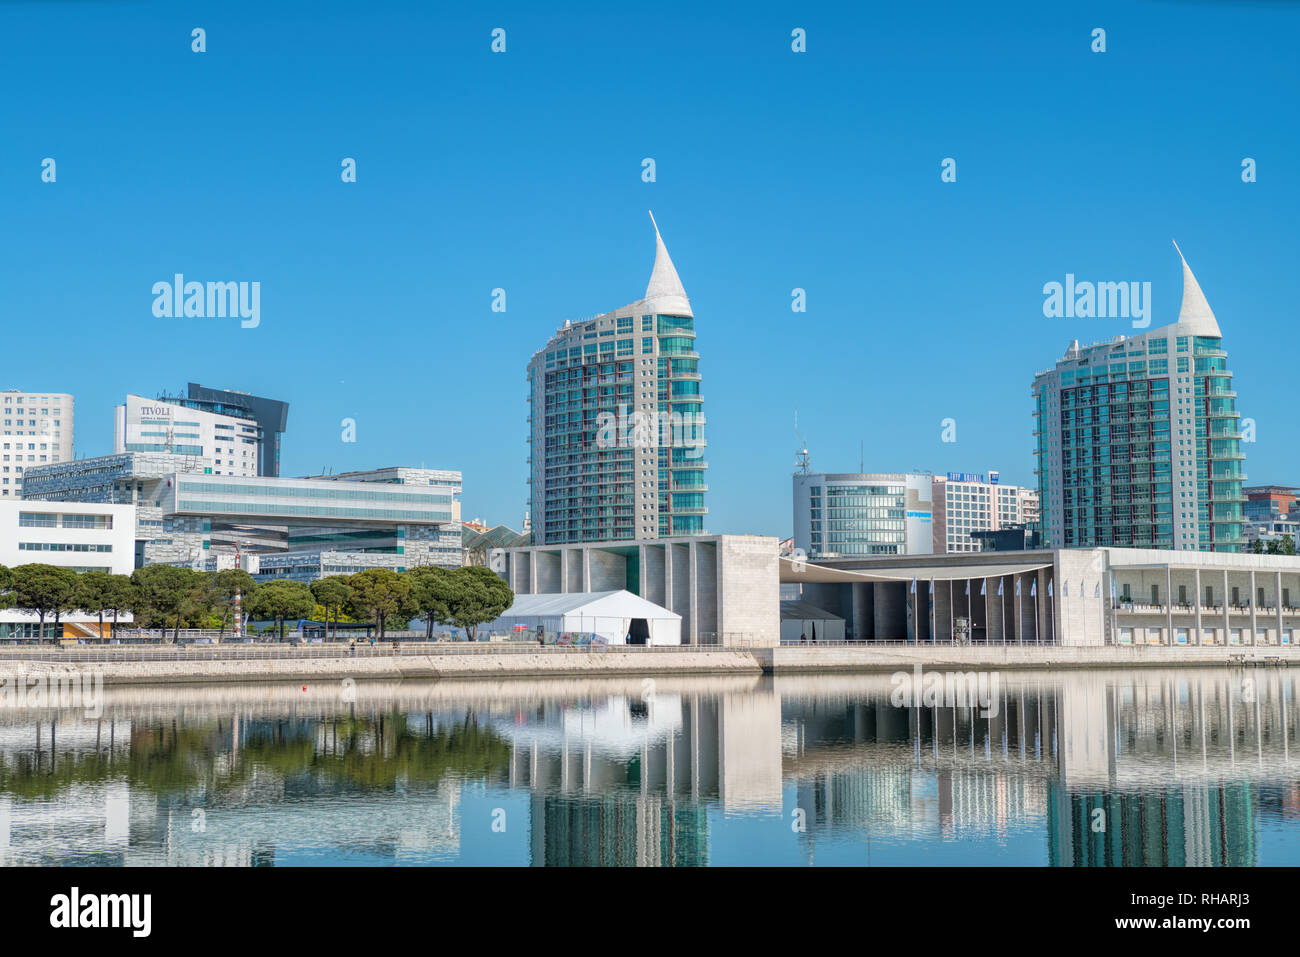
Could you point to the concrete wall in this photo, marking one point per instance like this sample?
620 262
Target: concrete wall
748 588
725 587
608 570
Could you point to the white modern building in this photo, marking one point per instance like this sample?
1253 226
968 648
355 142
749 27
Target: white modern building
35 429
189 514
1073 597
852 514
862 514
80 537
229 444
968 502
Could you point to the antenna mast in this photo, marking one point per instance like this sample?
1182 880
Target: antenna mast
801 458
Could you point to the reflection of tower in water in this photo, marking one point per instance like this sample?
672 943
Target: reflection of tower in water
1193 826
628 783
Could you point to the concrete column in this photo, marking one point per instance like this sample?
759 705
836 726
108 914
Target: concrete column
1254 601
1110 598
1197 597
668 578
693 579
859 611
1169 605
951 615
1227 621
1277 595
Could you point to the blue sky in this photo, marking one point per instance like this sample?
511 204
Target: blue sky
522 170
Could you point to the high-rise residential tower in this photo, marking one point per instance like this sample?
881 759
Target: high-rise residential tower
35 429
616 438
1137 439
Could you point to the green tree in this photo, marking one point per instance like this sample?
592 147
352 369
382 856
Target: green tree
225 584
1257 546
433 589
1286 546
280 600
479 595
383 594
104 593
45 590
333 593
163 590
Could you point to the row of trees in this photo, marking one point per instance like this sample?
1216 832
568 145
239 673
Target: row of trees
163 596
1275 546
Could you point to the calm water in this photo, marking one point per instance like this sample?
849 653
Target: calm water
1156 767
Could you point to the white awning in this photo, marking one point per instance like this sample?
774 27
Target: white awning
922 571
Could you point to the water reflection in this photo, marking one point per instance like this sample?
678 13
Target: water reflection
1077 769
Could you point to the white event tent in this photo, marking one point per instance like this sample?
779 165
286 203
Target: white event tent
616 616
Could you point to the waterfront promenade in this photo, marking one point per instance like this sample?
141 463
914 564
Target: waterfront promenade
139 664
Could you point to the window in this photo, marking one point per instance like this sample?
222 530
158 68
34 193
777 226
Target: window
1155 594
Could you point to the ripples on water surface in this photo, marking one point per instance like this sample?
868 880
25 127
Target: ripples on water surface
1154 767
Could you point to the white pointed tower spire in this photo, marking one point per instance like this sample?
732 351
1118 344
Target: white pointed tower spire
665 286
1195 311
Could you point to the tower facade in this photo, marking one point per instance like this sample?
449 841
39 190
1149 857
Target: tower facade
616 428
35 429
1138 440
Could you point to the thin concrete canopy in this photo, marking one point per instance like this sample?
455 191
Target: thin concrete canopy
805 572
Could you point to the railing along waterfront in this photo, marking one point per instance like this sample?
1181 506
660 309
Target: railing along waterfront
241 652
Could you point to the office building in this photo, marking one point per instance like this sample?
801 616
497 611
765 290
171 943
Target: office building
1267 502
892 513
68 535
188 513
616 439
227 443
1137 439
966 503
1010 538
1060 596
1271 533
863 513
271 416
35 429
